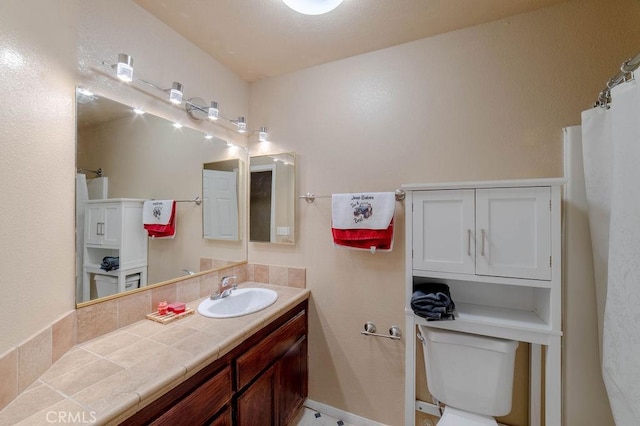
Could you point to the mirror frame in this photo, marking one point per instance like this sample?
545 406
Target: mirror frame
291 198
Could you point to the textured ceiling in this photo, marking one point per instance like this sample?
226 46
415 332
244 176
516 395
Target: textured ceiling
264 38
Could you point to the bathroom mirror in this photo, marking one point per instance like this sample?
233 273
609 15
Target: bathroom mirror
145 157
272 198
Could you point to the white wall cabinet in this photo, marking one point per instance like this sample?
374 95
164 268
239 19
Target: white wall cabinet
498 246
113 227
502 232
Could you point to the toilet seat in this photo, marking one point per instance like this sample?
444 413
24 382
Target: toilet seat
455 417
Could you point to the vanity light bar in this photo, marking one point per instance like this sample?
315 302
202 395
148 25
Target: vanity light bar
124 72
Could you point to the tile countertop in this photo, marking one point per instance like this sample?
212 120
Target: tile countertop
107 379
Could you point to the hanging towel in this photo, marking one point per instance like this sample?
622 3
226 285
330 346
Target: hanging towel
373 210
363 220
159 218
432 301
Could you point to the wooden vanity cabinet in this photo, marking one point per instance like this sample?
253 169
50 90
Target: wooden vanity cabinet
271 376
261 382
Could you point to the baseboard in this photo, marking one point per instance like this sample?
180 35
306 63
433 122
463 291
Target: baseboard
340 415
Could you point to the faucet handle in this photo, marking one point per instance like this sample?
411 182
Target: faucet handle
225 280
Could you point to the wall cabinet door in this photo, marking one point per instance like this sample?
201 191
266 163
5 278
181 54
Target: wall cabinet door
94 224
444 226
113 224
513 229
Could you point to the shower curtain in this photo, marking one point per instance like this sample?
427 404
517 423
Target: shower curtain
611 149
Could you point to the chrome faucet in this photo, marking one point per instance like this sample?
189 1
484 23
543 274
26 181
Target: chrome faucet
224 288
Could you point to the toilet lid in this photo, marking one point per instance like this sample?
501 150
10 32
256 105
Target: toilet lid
455 417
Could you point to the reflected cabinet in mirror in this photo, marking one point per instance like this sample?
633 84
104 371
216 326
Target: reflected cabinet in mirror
272 198
124 159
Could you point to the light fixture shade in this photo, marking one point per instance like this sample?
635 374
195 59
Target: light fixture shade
124 68
213 111
262 134
241 124
175 94
312 7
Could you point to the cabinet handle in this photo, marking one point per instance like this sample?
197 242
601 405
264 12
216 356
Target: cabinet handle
483 235
469 242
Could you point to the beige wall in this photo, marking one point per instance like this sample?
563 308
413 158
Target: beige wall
483 103
488 102
46 49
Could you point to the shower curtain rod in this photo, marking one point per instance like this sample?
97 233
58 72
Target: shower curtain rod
628 66
97 172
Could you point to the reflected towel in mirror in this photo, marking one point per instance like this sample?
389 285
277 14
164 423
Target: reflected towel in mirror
159 218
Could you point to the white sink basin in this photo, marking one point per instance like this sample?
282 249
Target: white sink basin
243 301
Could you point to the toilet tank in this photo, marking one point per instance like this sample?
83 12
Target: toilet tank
468 371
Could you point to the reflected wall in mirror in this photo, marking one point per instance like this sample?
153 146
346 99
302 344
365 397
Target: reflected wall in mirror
143 157
272 198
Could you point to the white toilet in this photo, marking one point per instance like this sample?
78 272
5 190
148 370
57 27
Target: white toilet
471 374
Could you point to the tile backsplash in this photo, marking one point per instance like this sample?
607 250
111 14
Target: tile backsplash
22 365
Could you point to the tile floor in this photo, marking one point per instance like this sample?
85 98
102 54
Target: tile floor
309 417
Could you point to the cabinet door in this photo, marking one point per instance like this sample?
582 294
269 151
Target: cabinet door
255 405
513 228
290 383
443 231
113 224
223 419
93 224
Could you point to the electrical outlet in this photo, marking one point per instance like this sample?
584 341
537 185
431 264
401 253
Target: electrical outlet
282 230
427 422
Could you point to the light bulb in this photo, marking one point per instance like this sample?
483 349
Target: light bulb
175 94
213 111
242 125
124 68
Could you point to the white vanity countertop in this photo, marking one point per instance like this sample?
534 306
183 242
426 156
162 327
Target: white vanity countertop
107 379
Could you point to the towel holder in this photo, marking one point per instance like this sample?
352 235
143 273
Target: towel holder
370 330
310 197
196 200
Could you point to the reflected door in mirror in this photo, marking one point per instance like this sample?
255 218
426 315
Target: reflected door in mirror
220 196
262 206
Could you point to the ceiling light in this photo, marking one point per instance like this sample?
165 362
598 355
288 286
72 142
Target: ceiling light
213 111
312 7
177 125
175 94
138 111
124 68
242 125
208 136
262 134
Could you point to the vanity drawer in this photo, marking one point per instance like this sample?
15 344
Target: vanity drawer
268 350
201 404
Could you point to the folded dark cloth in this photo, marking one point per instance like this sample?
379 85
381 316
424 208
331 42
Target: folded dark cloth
110 263
432 301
